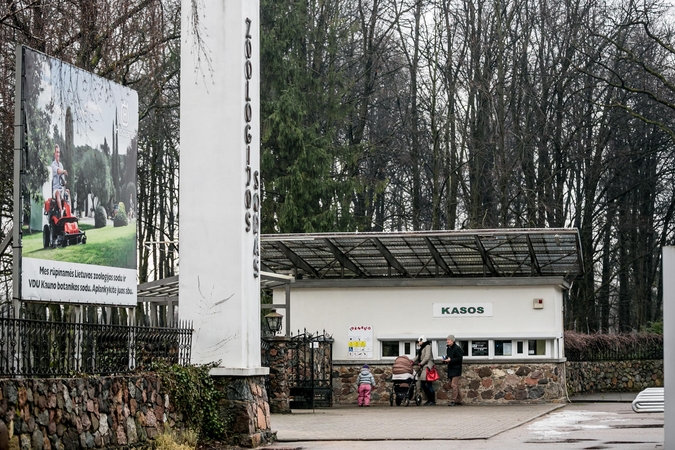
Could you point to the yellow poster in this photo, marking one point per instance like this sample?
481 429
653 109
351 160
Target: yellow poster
360 341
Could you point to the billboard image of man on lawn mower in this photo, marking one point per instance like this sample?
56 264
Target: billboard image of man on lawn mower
62 229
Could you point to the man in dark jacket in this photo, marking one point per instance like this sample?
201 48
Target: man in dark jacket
454 356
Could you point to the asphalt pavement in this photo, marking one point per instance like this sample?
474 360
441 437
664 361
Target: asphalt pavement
590 422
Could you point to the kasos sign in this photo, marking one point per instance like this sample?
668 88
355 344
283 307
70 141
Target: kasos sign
462 309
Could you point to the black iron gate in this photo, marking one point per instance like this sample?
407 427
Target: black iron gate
311 371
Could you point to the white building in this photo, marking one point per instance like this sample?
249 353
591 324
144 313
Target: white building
500 292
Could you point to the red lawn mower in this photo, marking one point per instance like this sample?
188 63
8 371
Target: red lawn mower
62 229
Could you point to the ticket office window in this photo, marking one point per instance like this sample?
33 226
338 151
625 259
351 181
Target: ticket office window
393 349
442 348
479 348
472 348
504 348
519 348
536 347
501 348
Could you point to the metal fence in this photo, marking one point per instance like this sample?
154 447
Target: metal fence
36 348
625 352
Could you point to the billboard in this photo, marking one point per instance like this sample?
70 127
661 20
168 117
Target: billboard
77 184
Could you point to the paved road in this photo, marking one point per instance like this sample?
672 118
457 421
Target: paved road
560 427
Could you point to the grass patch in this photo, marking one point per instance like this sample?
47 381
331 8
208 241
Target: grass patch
108 246
171 440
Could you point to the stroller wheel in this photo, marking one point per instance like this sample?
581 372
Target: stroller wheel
407 401
398 400
391 399
418 400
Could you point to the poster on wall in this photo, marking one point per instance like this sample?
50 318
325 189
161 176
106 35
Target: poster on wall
77 185
360 341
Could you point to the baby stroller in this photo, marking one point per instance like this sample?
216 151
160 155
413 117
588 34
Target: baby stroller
404 381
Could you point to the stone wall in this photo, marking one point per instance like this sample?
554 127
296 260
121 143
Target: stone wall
118 412
513 383
480 383
71 414
613 376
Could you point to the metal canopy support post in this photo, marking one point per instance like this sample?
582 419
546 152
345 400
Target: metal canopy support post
287 290
389 257
297 260
285 306
153 315
170 306
486 258
440 262
343 259
533 256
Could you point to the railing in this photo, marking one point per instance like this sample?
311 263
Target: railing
623 352
36 348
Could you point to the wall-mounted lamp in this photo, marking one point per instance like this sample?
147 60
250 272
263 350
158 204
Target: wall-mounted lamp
273 321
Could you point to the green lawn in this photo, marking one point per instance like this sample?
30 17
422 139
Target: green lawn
107 246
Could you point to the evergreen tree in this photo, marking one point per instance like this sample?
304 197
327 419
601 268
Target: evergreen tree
301 111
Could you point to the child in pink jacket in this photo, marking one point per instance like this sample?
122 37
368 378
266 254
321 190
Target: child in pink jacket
366 382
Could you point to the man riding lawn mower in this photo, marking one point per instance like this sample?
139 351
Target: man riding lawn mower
62 229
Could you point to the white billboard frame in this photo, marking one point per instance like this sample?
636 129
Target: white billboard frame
55 278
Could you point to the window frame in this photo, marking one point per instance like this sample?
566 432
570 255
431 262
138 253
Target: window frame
401 349
438 345
492 348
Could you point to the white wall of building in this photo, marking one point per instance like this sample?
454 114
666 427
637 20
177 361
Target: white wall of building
405 313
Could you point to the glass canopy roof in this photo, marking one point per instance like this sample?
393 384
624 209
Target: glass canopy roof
409 255
425 254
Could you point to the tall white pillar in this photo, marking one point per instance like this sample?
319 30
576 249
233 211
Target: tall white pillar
669 344
220 183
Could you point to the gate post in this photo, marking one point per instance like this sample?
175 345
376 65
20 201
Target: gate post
219 286
279 360
245 407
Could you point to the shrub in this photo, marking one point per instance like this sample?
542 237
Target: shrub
655 327
121 219
100 217
194 394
